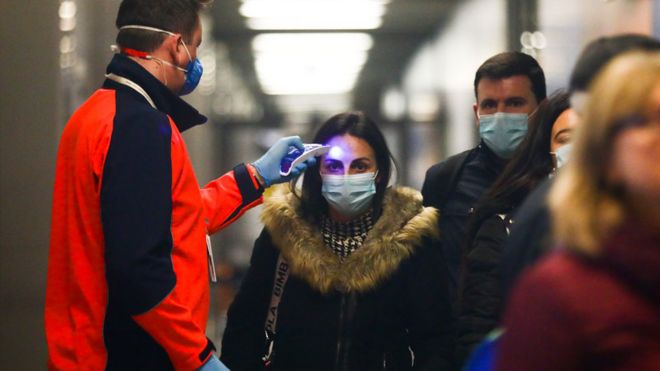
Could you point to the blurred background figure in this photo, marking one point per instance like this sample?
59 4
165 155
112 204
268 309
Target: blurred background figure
531 234
594 304
344 269
480 296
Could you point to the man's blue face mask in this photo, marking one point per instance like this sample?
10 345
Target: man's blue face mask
193 73
502 132
193 69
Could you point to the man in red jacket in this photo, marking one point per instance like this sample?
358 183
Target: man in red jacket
129 261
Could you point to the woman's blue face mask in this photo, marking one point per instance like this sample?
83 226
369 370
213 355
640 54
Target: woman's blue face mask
349 195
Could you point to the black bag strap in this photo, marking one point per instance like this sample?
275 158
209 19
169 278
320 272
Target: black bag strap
281 276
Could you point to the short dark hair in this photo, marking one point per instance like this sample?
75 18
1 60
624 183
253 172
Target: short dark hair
509 64
357 124
600 51
176 16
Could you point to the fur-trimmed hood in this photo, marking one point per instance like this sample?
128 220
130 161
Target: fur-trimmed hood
399 230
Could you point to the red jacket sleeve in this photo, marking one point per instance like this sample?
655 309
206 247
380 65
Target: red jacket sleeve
228 197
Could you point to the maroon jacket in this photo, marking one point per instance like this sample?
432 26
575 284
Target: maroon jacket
573 313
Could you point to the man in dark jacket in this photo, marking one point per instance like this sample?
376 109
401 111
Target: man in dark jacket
508 87
129 264
530 235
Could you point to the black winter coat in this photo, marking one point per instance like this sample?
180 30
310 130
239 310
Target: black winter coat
480 299
383 304
454 187
530 236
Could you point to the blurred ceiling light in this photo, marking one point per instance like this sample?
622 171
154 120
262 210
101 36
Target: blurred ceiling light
67 9
309 63
292 23
309 43
313 14
393 104
423 107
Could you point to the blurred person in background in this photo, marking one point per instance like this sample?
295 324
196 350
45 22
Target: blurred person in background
343 276
595 304
531 234
481 297
130 257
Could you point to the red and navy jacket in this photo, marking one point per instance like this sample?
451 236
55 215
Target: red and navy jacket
128 267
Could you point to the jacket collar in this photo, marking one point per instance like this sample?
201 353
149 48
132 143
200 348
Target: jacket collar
184 115
489 157
403 225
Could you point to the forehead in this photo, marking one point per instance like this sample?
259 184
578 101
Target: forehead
507 87
346 148
566 120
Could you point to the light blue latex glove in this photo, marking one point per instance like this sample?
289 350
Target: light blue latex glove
268 165
213 364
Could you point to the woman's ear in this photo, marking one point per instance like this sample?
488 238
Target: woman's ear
379 177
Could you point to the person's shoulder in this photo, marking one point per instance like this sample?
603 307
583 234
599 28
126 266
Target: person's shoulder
130 109
564 276
441 177
538 197
404 211
551 283
554 269
449 162
534 211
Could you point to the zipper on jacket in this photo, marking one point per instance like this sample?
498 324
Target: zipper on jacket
347 306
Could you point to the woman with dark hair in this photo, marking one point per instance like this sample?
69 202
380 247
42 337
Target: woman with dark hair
343 276
480 298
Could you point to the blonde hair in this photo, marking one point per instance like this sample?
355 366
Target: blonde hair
585 204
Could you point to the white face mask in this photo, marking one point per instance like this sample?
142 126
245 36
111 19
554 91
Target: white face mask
562 155
350 195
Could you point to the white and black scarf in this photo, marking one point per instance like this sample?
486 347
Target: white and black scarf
344 238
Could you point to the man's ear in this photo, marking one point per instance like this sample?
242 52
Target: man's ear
175 48
168 46
475 108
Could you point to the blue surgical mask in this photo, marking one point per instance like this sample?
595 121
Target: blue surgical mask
193 69
502 132
350 195
193 73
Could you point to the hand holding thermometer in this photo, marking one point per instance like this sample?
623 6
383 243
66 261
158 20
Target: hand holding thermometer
296 156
